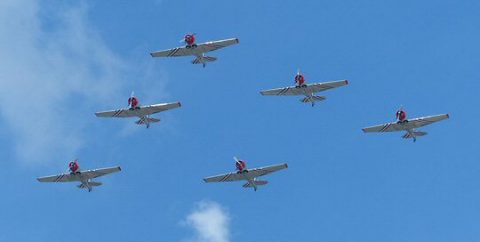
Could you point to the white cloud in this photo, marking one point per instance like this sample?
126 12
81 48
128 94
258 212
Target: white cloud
210 222
54 66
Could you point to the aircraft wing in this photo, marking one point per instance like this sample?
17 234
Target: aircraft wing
235 176
201 48
215 45
140 112
59 178
175 52
100 172
89 174
232 176
411 124
308 89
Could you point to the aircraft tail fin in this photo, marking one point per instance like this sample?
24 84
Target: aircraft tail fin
415 134
257 183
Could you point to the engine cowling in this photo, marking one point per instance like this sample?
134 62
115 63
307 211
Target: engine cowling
190 39
133 102
401 115
241 165
74 167
299 79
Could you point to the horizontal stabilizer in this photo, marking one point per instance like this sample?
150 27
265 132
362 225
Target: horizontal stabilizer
149 120
416 134
95 184
312 99
257 182
203 60
92 184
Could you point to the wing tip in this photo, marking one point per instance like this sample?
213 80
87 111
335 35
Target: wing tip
286 165
364 130
346 82
152 54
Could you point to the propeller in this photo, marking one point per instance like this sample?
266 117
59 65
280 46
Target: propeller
239 164
68 169
183 39
130 99
399 109
299 73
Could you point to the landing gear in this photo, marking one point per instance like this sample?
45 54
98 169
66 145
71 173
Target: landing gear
301 86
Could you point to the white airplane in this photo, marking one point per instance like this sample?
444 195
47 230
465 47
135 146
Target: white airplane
85 177
302 89
243 173
409 125
142 112
198 50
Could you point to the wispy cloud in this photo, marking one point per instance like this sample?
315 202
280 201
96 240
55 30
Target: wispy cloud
53 67
210 222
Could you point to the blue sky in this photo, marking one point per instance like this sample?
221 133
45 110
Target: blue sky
61 62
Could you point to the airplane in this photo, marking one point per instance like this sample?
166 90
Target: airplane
198 50
135 110
303 89
408 125
243 173
85 177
